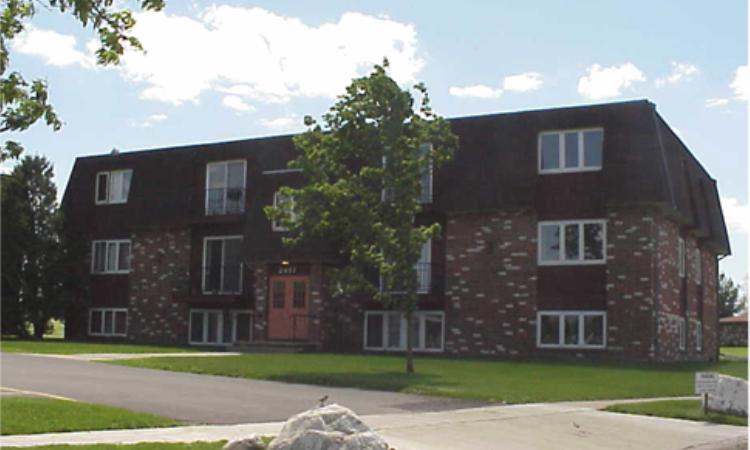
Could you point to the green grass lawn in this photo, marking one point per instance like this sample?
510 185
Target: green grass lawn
24 415
145 446
509 381
59 346
737 352
677 409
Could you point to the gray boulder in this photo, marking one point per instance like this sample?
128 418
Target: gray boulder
331 427
254 442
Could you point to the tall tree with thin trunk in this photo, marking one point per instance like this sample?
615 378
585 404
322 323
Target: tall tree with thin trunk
364 166
731 298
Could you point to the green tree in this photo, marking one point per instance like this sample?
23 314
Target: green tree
30 244
731 299
22 102
363 167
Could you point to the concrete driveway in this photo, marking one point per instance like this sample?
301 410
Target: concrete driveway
197 399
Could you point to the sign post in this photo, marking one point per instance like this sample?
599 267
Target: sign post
706 383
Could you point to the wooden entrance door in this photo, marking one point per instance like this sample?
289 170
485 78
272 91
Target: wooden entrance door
288 313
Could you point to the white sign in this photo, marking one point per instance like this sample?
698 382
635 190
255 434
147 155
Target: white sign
706 382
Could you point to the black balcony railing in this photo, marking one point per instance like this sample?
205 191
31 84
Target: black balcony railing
220 201
424 277
224 279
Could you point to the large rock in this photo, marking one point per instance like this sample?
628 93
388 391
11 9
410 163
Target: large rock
331 427
730 397
254 442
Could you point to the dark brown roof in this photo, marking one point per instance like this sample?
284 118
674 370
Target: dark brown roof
740 318
644 163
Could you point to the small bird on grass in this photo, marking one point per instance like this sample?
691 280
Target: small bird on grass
322 401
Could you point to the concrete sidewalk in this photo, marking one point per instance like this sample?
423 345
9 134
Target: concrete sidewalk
535 426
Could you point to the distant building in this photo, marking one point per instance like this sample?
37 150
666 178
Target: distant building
733 331
587 232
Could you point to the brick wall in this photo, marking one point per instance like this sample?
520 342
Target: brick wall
631 236
160 270
490 285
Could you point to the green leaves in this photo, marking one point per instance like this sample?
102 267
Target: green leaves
22 103
363 164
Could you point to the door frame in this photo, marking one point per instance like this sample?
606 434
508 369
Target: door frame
289 280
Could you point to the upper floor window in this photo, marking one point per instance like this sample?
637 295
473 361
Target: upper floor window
681 257
222 265
113 186
572 242
280 199
110 256
225 187
570 150
423 269
425 194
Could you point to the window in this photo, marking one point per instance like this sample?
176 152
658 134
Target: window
682 333
572 242
574 329
280 199
699 336
423 269
108 321
570 150
386 330
222 265
698 266
225 187
425 195
299 294
206 326
681 257
111 256
113 187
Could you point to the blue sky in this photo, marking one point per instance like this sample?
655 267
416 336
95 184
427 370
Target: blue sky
217 71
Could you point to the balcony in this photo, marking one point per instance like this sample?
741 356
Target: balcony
424 277
225 201
222 279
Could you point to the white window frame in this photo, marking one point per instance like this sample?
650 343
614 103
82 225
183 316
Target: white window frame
420 316
581 243
205 312
561 151
429 177
561 328
114 312
117 256
426 288
275 225
110 177
698 266
699 336
226 180
223 263
682 334
681 255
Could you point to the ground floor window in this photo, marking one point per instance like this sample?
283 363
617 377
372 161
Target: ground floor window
108 321
571 329
386 330
217 327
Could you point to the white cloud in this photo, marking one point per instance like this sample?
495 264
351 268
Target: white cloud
716 102
736 214
607 82
150 121
741 82
55 48
528 81
476 91
236 103
286 123
680 71
262 56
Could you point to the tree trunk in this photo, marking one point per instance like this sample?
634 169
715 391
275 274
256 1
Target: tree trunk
409 352
40 326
